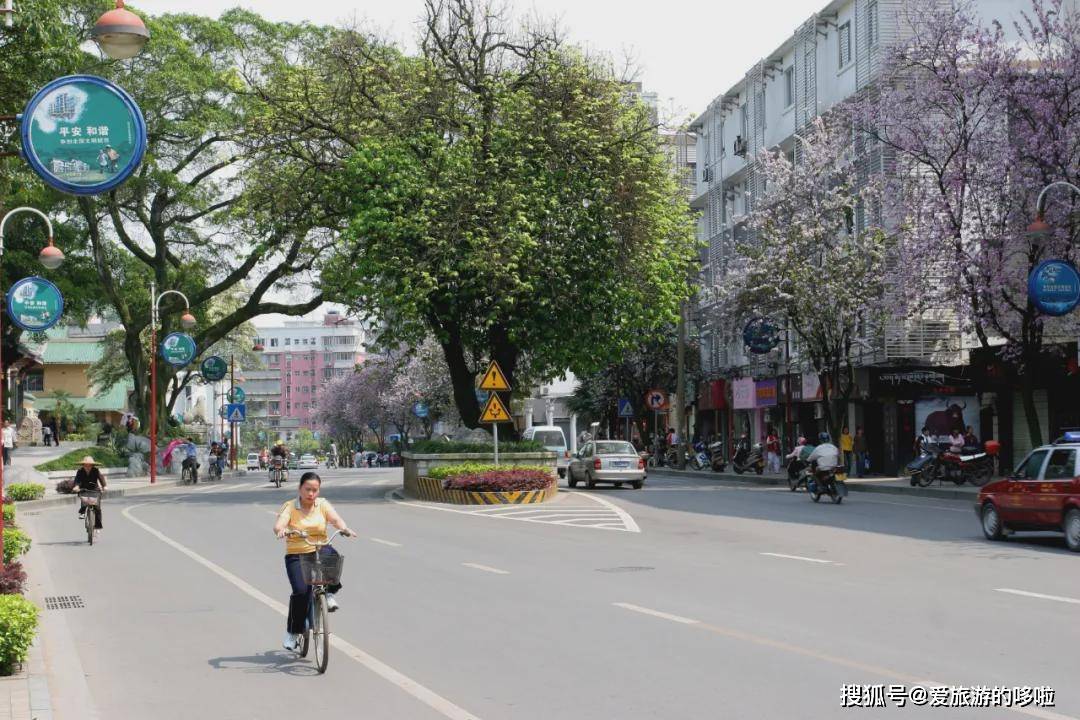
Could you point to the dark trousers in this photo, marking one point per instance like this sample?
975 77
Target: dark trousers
301 591
7 455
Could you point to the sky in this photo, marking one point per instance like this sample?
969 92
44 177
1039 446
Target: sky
687 57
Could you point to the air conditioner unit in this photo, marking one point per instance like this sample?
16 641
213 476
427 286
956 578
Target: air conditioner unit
544 390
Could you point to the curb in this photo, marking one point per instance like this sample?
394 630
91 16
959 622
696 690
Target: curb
930 492
119 492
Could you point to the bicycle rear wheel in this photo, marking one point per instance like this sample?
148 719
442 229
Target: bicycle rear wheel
320 634
90 522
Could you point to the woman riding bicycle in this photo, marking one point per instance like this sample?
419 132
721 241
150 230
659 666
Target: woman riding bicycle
89 478
309 514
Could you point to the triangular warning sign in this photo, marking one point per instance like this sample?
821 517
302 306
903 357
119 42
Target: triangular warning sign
236 416
494 379
494 411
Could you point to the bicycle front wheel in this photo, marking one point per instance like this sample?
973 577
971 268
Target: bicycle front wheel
89 519
320 634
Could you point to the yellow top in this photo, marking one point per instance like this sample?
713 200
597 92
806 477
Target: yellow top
313 523
846 443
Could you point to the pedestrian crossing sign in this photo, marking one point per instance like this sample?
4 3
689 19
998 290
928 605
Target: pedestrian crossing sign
236 412
494 411
494 379
625 408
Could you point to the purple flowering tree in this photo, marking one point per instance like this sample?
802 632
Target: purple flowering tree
975 119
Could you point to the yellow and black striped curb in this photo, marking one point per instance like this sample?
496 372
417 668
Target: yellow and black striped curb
425 488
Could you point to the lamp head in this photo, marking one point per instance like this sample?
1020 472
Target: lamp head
120 33
187 320
51 256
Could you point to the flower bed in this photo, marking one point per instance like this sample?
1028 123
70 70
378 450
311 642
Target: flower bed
482 477
442 447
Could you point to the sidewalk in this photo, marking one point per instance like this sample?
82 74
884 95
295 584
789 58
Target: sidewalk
889 485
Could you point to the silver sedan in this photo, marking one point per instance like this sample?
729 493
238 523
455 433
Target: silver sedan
607 461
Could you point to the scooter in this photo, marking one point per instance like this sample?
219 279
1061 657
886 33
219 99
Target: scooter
798 474
753 459
825 482
716 456
700 459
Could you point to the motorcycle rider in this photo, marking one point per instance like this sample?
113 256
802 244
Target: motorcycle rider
280 451
825 459
796 459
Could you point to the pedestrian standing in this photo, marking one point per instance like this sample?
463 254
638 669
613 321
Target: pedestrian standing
55 431
862 456
847 448
772 450
9 441
46 435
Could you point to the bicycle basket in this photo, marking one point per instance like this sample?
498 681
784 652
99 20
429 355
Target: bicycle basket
90 497
321 568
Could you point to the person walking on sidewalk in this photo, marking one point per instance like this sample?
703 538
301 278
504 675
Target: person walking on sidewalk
772 450
862 456
847 448
46 435
9 441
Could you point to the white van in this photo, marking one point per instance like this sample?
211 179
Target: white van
554 440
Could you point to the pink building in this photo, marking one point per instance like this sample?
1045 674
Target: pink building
299 358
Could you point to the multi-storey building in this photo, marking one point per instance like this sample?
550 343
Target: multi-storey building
299 357
832 56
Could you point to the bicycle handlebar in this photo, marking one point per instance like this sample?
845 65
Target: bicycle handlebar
304 536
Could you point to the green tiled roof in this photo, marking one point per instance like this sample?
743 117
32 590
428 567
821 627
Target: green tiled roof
72 352
115 400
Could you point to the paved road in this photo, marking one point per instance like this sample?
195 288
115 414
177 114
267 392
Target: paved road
688 599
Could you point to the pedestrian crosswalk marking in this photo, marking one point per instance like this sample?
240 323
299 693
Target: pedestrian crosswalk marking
607 517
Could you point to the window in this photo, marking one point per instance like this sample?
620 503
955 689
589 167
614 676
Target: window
275 406
1029 469
328 357
789 86
34 382
761 107
844 35
343 356
288 341
326 340
273 342
328 372
288 391
344 340
743 121
871 24
1062 465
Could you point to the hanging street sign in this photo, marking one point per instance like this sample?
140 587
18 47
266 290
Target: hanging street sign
494 379
420 409
494 411
214 368
178 349
1054 287
657 400
83 135
236 412
625 408
761 336
237 395
34 304
373 425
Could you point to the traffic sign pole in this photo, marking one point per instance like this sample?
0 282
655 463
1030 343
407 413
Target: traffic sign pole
496 430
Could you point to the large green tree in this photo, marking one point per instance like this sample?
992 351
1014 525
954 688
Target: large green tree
505 194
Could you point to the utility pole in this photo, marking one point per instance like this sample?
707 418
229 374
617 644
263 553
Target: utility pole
680 388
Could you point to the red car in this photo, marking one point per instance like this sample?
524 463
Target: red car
1043 493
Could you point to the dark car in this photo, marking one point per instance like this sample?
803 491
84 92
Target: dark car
1042 494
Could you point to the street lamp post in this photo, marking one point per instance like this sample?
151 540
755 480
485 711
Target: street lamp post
51 257
1039 228
188 321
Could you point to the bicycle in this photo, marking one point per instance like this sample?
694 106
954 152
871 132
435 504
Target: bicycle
215 469
277 472
90 499
189 475
319 570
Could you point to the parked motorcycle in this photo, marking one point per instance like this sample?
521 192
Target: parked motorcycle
825 482
753 459
973 466
716 456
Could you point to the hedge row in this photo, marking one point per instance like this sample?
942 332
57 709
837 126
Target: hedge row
25 491
444 472
426 447
18 616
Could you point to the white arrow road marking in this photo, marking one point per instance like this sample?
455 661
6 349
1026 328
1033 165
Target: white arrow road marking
428 697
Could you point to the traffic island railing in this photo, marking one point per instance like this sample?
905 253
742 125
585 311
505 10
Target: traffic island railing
431 490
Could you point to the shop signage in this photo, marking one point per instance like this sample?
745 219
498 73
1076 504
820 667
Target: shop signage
761 336
743 394
35 304
811 388
765 393
178 349
83 135
214 368
1054 287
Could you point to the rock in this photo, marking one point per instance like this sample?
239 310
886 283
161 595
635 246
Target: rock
137 466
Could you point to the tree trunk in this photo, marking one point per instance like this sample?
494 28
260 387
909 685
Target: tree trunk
463 381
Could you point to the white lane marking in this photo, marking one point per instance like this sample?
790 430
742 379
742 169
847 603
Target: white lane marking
657 613
385 542
800 557
402 681
628 521
1040 596
388 481
486 568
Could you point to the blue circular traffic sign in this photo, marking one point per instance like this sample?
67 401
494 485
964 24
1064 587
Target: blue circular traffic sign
420 409
1054 287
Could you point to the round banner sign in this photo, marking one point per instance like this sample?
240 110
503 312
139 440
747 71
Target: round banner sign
760 336
420 409
214 368
1054 287
237 395
35 304
83 135
178 349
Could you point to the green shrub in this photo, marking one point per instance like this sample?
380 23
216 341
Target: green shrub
105 456
25 491
455 447
18 624
9 514
444 472
16 542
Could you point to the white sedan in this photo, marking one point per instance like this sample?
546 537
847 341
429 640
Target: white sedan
308 462
606 461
